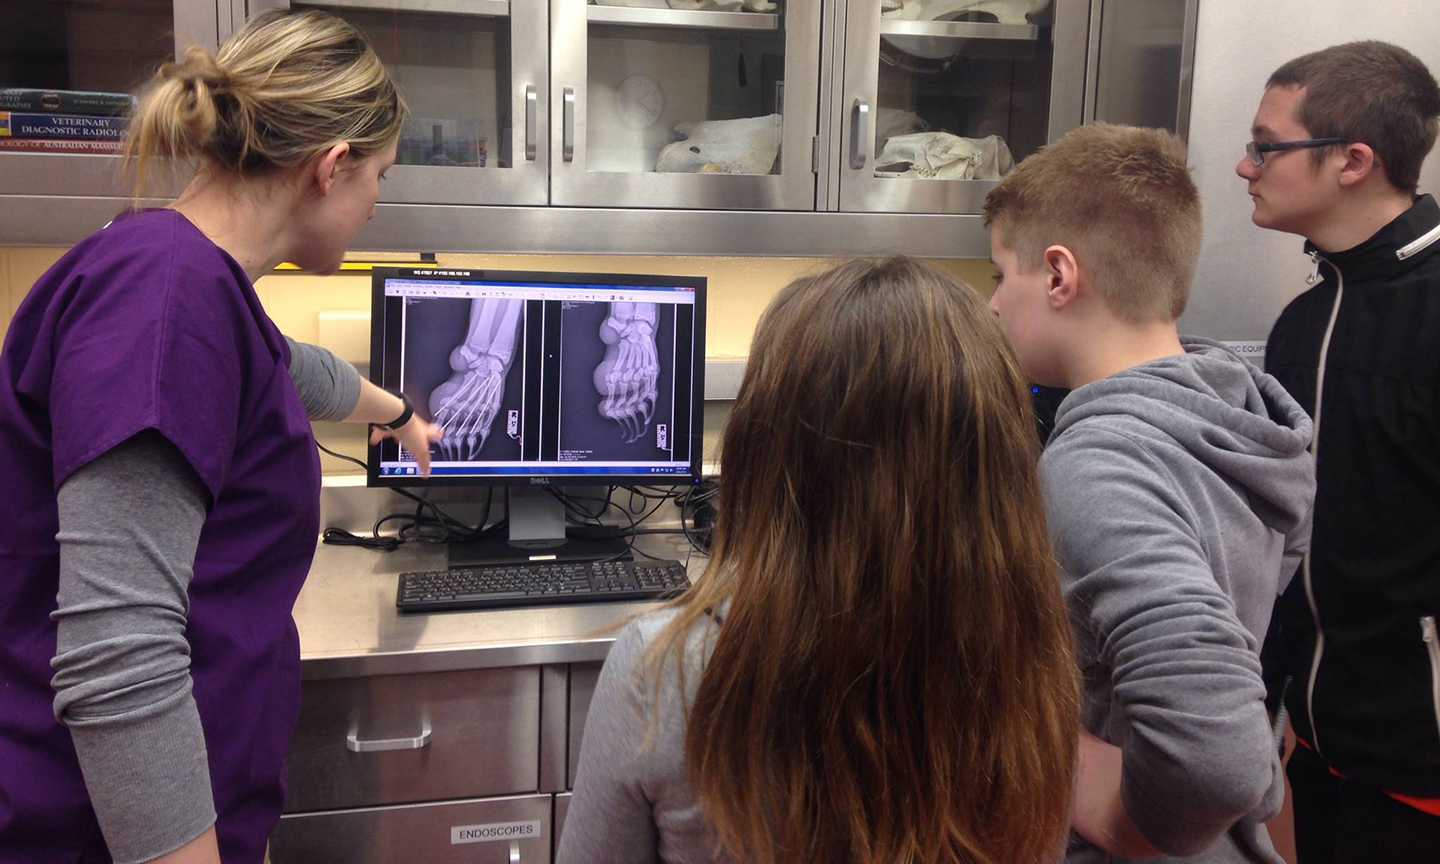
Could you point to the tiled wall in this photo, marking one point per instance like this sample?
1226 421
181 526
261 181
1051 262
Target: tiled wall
739 289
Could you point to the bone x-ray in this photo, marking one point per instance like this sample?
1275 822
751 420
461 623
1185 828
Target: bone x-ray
543 378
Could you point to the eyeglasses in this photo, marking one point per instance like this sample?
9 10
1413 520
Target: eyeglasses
1256 150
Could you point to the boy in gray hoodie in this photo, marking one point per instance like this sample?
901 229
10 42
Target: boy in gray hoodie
1177 489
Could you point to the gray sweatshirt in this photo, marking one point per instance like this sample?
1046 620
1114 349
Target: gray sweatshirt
632 803
1178 495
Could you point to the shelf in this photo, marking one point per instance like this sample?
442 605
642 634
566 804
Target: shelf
680 18
477 8
958 29
52 220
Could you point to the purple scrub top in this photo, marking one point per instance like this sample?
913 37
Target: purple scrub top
147 324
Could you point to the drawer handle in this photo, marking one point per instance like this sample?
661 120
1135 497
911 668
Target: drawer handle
355 745
514 852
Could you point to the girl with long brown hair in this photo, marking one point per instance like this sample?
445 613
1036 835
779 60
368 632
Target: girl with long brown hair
876 665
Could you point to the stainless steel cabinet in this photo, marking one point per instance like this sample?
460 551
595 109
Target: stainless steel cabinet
685 109
88 45
1141 61
463 765
583 678
562 809
568 125
475 75
389 739
931 110
514 830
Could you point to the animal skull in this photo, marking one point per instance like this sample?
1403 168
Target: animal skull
745 146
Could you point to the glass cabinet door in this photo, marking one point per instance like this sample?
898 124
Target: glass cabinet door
713 107
67 72
941 97
1141 73
474 75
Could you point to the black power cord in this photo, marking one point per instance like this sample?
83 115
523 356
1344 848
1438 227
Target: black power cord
439 526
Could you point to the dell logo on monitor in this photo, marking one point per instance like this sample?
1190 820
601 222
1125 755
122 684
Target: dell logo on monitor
539 481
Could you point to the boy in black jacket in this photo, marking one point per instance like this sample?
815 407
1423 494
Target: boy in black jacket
1355 635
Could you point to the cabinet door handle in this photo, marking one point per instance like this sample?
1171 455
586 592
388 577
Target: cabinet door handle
859 132
530 103
567 134
355 745
514 852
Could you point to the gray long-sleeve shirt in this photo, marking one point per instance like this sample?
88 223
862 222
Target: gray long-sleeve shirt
130 521
632 803
1177 494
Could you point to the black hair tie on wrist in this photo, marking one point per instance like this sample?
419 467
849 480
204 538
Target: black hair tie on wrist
406 413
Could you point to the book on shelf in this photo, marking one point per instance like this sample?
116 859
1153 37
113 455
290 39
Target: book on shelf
17 124
65 101
61 145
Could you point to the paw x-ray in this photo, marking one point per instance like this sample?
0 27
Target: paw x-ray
460 357
616 359
549 377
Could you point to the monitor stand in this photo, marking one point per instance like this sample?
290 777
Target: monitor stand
538 533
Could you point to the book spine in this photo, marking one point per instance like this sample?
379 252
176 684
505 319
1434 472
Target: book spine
61 145
14 124
65 101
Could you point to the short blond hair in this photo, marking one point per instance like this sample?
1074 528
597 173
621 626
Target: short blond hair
1122 199
285 87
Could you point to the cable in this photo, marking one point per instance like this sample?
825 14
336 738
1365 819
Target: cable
698 537
633 515
341 537
440 526
325 449
571 506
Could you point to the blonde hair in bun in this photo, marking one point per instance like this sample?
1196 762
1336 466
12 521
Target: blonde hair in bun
284 87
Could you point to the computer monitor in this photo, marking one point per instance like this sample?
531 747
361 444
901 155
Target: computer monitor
542 379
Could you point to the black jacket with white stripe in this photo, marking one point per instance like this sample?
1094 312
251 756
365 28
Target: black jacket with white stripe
1356 629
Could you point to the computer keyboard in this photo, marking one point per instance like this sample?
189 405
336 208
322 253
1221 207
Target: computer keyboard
543 583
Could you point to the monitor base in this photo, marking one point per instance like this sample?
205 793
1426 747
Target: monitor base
499 550
538 533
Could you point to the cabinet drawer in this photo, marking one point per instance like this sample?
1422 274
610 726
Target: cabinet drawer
562 809
475 832
392 739
583 678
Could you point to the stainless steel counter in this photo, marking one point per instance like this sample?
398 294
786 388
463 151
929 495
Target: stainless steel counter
349 625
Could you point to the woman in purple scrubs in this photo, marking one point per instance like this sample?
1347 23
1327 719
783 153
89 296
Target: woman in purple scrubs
161 486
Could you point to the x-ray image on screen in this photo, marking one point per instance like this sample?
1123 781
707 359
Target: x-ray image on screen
462 370
617 380
541 377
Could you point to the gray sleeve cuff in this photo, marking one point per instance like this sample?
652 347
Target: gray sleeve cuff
130 522
148 778
329 387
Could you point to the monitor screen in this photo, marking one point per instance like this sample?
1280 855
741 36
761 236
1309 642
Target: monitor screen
542 377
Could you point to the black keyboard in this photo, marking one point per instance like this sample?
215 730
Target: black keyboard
543 583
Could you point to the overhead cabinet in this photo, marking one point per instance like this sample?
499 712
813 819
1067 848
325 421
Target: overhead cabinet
821 127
